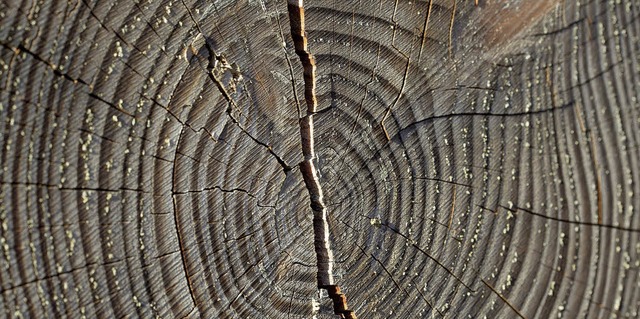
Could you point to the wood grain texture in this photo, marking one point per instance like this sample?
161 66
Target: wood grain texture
474 160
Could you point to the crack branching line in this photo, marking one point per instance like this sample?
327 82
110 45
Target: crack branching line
324 254
56 69
214 59
225 190
504 299
516 209
413 243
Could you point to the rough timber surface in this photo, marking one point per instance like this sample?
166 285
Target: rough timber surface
471 160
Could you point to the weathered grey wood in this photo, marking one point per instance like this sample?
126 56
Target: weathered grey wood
474 161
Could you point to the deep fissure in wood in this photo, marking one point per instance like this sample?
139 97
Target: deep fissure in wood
321 240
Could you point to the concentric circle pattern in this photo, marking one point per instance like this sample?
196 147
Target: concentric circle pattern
476 161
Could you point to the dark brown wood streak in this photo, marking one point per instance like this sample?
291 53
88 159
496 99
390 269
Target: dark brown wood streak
274 159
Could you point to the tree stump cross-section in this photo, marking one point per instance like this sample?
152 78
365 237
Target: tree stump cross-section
325 159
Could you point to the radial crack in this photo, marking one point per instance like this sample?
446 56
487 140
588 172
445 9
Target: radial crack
321 241
213 58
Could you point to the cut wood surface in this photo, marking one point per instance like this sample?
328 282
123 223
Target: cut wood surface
327 159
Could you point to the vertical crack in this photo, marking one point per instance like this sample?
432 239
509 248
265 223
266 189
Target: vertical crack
321 241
